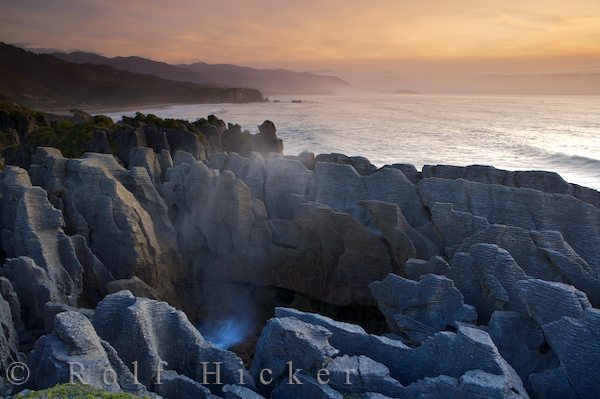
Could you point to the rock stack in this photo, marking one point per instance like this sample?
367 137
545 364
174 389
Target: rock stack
357 281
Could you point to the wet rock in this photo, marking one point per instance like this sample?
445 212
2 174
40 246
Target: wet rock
285 340
73 349
125 139
95 274
266 141
9 338
236 140
360 164
487 277
120 214
10 296
34 288
551 384
223 233
137 287
165 160
308 387
404 241
308 159
341 187
243 143
51 309
408 170
183 140
417 310
415 268
455 226
547 301
470 353
548 182
217 161
237 164
284 177
541 254
99 142
156 139
434 387
174 386
256 175
267 128
146 158
328 255
576 343
152 332
521 342
239 392
32 227
577 221
358 374
182 157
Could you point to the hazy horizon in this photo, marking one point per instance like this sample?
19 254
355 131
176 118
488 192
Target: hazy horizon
542 47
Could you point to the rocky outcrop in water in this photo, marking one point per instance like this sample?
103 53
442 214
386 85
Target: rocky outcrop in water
450 282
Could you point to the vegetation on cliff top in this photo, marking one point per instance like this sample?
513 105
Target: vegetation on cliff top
74 391
23 129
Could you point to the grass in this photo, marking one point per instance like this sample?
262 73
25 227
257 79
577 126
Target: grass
74 391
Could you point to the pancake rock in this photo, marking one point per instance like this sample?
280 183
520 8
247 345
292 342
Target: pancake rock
74 344
417 310
467 360
488 278
152 332
33 234
119 212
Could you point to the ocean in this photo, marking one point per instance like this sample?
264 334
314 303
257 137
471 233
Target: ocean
554 133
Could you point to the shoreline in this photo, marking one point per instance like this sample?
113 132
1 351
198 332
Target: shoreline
232 225
128 108
101 110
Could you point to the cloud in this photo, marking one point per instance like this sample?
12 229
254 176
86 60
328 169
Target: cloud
378 43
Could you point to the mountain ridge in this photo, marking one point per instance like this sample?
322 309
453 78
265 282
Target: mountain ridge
44 81
268 81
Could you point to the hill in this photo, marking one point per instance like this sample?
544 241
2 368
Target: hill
271 81
136 65
268 81
41 80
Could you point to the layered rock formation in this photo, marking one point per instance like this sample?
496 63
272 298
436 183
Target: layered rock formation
450 282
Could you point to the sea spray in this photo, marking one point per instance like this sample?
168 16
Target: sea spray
225 333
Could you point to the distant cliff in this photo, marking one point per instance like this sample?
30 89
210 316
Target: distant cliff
269 81
43 81
22 130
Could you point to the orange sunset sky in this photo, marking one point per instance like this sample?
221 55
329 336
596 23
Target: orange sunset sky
437 46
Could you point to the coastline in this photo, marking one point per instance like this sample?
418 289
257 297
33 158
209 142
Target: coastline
101 110
508 133
211 251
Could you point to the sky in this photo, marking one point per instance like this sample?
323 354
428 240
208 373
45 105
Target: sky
431 46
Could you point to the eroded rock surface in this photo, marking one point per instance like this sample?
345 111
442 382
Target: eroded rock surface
489 280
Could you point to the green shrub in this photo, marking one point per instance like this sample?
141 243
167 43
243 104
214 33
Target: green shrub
103 121
73 391
68 137
167 123
7 141
43 136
